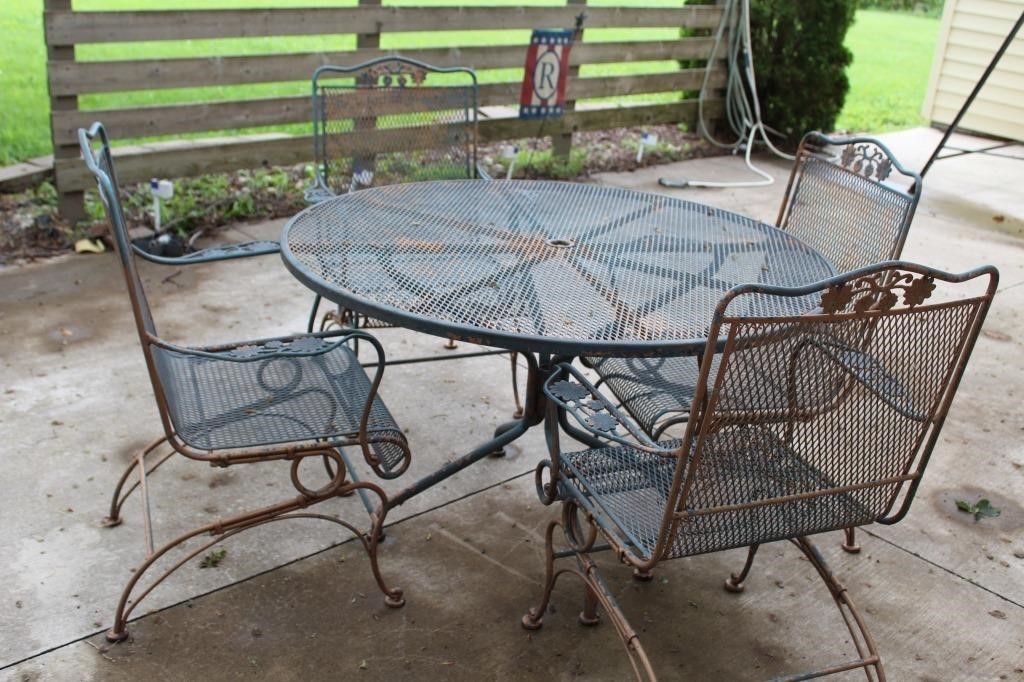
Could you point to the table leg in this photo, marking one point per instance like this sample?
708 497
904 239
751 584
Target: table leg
533 414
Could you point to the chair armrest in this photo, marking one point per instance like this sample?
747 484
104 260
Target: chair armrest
298 345
571 391
482 173
213 253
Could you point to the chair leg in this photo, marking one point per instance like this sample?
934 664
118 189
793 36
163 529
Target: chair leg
597 594
451 344
850 541
870 661
118 499
329 468
734 583
534 618
226 528
643 576
588 616
371 542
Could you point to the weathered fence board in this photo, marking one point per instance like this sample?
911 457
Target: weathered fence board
75 28
198 158
70 78
190 118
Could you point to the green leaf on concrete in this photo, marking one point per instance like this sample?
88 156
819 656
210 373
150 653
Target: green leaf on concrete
981 508
985 508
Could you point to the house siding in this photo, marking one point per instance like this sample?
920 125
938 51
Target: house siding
970 33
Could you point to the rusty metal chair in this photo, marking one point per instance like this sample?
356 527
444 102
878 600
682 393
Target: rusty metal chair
847 208
288 399
386 121
803 424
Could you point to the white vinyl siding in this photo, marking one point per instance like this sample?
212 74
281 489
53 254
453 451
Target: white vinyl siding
971 32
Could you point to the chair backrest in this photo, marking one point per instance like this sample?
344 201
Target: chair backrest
101 165
850 209
398 118
835 459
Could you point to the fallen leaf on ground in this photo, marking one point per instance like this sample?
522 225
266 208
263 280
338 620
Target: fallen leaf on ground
981 508
89 246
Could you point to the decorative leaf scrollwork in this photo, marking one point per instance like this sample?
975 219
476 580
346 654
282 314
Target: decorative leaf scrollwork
866 159
582 403
919 290
395 74
602 421
877 292
568 391
837 298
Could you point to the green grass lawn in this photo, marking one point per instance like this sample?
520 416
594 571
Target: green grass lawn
887 86
892 57
24 107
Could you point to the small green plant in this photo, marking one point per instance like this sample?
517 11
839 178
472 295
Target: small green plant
213 559
545 164
979 509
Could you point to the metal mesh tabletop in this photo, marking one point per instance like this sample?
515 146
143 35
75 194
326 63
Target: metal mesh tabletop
540 266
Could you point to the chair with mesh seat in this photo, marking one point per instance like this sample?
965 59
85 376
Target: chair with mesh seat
386 121
381 123
288 399
849 208
806 423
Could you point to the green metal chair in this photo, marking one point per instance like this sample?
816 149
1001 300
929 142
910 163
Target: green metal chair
392 120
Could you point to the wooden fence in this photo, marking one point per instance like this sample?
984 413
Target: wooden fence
70 78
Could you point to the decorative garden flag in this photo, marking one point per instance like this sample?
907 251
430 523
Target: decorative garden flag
547 70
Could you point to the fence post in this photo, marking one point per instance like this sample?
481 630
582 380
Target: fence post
70 204
561 143
367 41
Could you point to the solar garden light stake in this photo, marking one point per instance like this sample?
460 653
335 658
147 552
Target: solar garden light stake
646 140
510 153
160 189
361 178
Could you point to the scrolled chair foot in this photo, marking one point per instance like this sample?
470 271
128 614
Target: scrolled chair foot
532 620
643 576
734 584
395 600
110 521
589 621
114 635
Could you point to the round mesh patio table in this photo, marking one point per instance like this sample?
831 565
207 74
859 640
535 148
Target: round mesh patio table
537 266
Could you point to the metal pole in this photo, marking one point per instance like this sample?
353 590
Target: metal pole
974 93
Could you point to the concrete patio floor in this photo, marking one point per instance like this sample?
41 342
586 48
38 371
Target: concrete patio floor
943 595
